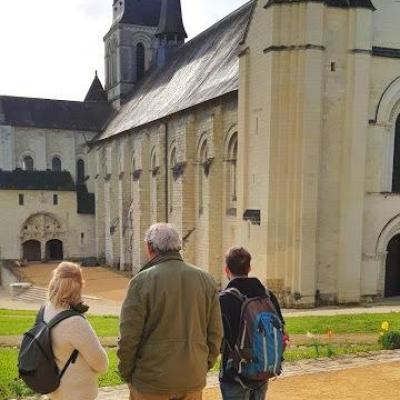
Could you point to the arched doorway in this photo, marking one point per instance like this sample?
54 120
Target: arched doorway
31 250
54 250
392 278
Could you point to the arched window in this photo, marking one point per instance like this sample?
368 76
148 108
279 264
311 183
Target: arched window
153 186
56 164
28 163
231 176
171 180
140 61
80 170
396 159
202 175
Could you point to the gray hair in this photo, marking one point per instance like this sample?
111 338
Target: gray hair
163 238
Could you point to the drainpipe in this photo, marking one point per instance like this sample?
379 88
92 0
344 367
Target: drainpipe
166 173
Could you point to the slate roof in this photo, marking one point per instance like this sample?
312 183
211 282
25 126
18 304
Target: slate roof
96 91
331 3
171 19
54 114
141 12
36 180
205 68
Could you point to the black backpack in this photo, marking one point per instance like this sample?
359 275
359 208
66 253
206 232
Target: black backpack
36 363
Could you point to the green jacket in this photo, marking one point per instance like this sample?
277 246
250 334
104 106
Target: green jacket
170 328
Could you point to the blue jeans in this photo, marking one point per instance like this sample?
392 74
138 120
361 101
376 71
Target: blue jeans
234 391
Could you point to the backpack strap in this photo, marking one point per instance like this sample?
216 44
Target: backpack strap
70 361
40 315
63 315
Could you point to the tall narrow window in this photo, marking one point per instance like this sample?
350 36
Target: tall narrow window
202 176
396 159
231 176
55 199
80 170
28 164
56 164
140 61
21 199
172 165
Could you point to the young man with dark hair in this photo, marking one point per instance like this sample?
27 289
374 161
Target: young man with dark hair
237 269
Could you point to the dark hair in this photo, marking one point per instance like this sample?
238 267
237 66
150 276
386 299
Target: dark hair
238 259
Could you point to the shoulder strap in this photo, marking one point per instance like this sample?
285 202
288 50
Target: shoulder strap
237 293
70 361
40 315
63 315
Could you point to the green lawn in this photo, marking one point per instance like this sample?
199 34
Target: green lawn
14 323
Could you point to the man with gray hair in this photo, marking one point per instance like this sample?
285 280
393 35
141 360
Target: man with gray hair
170 328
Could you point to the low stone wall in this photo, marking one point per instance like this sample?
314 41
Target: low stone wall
7 274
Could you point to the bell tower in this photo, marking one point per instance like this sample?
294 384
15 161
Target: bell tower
129 46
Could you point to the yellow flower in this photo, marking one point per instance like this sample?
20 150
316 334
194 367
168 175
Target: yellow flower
385 326
330 334
310 335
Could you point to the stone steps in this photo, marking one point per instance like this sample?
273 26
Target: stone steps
34 295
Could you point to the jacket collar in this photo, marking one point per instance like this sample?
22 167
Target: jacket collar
162 258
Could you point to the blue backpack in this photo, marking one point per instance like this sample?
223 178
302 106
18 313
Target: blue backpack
258 351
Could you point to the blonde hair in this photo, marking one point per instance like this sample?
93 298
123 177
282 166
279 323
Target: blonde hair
65 287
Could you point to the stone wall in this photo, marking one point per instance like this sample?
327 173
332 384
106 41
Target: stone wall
162 177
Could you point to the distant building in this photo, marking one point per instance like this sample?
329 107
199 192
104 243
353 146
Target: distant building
277 128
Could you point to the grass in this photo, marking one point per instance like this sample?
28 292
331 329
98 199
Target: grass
361 323
15 323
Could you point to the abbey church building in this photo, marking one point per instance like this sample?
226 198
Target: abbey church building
277 128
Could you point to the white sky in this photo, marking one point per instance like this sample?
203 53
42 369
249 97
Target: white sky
51 48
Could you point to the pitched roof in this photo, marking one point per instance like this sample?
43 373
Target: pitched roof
36 180
171 22
96 91
54 114
205 68
139 12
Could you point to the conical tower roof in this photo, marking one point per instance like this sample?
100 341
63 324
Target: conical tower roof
96 91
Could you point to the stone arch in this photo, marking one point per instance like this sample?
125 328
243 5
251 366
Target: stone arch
388 104
42 226
25 154
231 161
388 232
387 114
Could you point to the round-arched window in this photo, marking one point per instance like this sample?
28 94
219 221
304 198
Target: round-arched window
56 164
28 163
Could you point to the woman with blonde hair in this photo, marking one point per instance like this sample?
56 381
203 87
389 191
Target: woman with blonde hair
75 333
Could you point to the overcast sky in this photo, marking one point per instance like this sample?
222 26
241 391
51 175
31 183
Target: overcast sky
51 48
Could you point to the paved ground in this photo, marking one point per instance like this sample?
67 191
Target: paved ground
376 375
101 283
